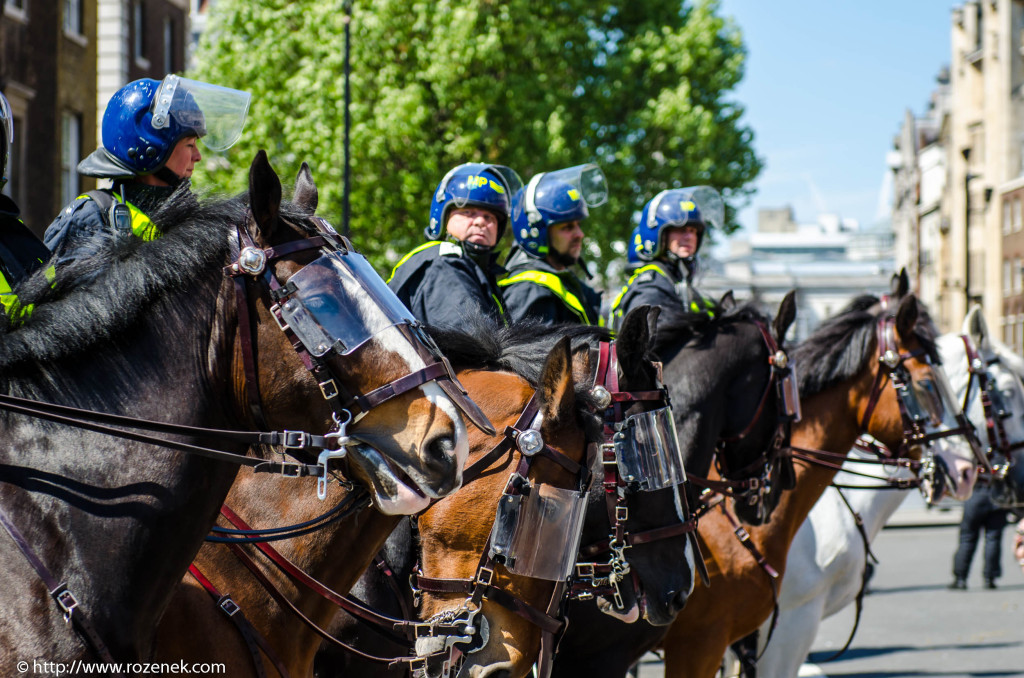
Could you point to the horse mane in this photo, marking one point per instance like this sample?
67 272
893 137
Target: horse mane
677 327
841 346
104 300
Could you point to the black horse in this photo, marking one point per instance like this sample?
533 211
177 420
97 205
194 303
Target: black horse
719 372
156 331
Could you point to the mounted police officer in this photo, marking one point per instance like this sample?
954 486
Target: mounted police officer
669 235
443 280
150 132
21 252
547 218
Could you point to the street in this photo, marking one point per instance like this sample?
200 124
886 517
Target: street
912 625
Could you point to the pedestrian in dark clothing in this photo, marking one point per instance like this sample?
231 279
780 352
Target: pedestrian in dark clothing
547 216
443 281
980 513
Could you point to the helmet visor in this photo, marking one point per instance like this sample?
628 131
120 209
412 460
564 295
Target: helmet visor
216 114
588 180
681 206
501 179
340 303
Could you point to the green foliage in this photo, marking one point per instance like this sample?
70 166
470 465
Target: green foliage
639 88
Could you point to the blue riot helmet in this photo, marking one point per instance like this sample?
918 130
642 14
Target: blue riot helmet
698 206
473 184
554 198
6 137
634 247
145 119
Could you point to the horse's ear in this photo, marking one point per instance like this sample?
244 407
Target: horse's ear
264 194
906 318
635 337
557 387
975 326
900 284
785 317
305 195
728 301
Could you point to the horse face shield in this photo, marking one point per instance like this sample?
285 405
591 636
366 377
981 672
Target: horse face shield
338 302
647 451
537 533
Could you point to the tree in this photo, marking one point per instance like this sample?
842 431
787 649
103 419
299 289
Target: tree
639 88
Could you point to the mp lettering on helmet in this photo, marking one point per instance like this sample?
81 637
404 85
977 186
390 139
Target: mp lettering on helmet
574 194
479 181
687 206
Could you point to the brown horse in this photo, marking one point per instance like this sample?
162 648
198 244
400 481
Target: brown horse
844 392
156 331
195 629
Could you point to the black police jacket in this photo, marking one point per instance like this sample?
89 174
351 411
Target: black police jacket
76 230
535 289
21 251
655 284
441 285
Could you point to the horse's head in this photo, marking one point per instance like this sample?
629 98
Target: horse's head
504 573
734 397
364 368
983 378
918 415
638 526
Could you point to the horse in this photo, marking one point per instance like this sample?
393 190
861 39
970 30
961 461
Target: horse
456 544
827 562
196 629
846 364
721 374
159 332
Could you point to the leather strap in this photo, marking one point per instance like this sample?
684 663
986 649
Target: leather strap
61 594
254 640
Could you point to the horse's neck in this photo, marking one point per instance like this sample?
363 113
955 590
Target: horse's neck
334 555
827 431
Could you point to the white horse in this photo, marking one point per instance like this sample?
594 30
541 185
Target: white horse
824 571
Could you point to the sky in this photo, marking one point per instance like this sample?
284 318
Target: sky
825 91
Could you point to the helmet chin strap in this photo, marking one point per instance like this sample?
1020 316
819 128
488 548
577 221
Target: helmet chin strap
168 176
477 252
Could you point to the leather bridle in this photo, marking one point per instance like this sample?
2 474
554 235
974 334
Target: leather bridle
999 442
592 578
752 483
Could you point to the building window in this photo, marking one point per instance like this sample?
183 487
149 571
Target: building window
73 17
70 155
1016 275
1007 217
138 30
1018 217
168 45
1007 278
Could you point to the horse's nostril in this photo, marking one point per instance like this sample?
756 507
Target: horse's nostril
679 601
442 448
